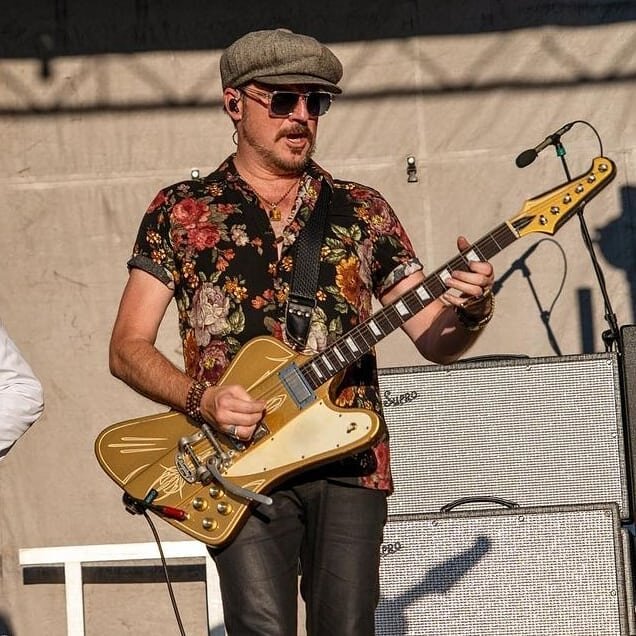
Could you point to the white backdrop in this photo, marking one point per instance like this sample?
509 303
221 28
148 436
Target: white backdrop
73 186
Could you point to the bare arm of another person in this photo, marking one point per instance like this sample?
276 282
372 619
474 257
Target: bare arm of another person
135 359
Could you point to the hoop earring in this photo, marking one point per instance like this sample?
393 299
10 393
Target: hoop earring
235 137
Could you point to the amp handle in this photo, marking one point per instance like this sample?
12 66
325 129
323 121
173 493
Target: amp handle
467 500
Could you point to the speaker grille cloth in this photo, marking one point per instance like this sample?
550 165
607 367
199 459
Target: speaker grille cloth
542 431
523 573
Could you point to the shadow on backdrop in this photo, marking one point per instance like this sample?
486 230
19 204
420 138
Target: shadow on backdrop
46 31
34 28
5 628
617 241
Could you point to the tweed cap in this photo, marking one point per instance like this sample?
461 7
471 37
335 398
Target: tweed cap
280 57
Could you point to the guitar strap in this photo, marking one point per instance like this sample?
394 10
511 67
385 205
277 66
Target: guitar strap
304 283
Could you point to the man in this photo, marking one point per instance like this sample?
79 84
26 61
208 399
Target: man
21 397
223 248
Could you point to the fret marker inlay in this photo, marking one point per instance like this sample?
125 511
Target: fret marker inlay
444 275
317 370
422 293
402 308
375 329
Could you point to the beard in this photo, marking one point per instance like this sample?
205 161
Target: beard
294 164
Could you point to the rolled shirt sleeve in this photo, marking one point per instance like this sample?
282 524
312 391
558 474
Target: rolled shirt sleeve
21 394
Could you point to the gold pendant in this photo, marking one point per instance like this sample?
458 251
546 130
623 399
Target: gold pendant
274 214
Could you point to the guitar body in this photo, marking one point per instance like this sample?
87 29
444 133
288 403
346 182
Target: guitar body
144 454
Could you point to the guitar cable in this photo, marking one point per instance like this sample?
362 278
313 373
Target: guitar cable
166 574
140 507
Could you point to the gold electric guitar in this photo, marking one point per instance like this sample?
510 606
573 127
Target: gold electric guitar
206 483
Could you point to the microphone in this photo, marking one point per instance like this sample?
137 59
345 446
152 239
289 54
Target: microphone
528 156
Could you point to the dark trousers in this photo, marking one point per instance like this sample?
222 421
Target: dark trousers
334 531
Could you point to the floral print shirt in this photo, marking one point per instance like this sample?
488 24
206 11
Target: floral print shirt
211 242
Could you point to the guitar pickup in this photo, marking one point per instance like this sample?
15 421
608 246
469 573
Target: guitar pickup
296 385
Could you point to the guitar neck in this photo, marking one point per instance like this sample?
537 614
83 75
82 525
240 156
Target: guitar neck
363 337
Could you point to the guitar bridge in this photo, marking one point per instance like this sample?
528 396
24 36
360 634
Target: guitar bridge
186 457
210 470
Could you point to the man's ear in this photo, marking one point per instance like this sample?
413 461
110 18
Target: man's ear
232 99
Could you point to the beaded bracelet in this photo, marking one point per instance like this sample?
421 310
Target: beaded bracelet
193 401
470 322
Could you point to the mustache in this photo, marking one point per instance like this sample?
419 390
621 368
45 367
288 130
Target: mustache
296 129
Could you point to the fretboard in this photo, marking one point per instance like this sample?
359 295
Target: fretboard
363 337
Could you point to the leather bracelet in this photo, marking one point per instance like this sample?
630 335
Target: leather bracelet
193 401
469 321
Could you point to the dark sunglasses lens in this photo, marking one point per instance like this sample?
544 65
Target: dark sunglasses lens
318 103
282 103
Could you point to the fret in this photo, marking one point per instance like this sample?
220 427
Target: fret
457 262
325 359
367 341
339 354
493 243
414 301
435 286
389 312
382 320
310 376
335 363
477 252
490 246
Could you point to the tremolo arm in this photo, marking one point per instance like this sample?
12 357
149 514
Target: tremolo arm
208 470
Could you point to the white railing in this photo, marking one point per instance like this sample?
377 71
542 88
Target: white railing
73 557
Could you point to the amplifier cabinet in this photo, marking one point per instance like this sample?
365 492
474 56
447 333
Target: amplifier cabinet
628 366
535 431
546 571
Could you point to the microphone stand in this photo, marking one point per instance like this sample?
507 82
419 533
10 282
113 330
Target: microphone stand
610 336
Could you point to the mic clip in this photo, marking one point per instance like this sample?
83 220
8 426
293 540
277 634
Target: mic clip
528 156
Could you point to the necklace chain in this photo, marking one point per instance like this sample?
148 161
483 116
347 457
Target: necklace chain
274 211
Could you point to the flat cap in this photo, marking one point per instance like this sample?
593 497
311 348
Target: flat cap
279 57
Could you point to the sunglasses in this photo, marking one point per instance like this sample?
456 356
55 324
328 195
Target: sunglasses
283 103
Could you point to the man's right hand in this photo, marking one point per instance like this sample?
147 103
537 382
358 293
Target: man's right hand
232 410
